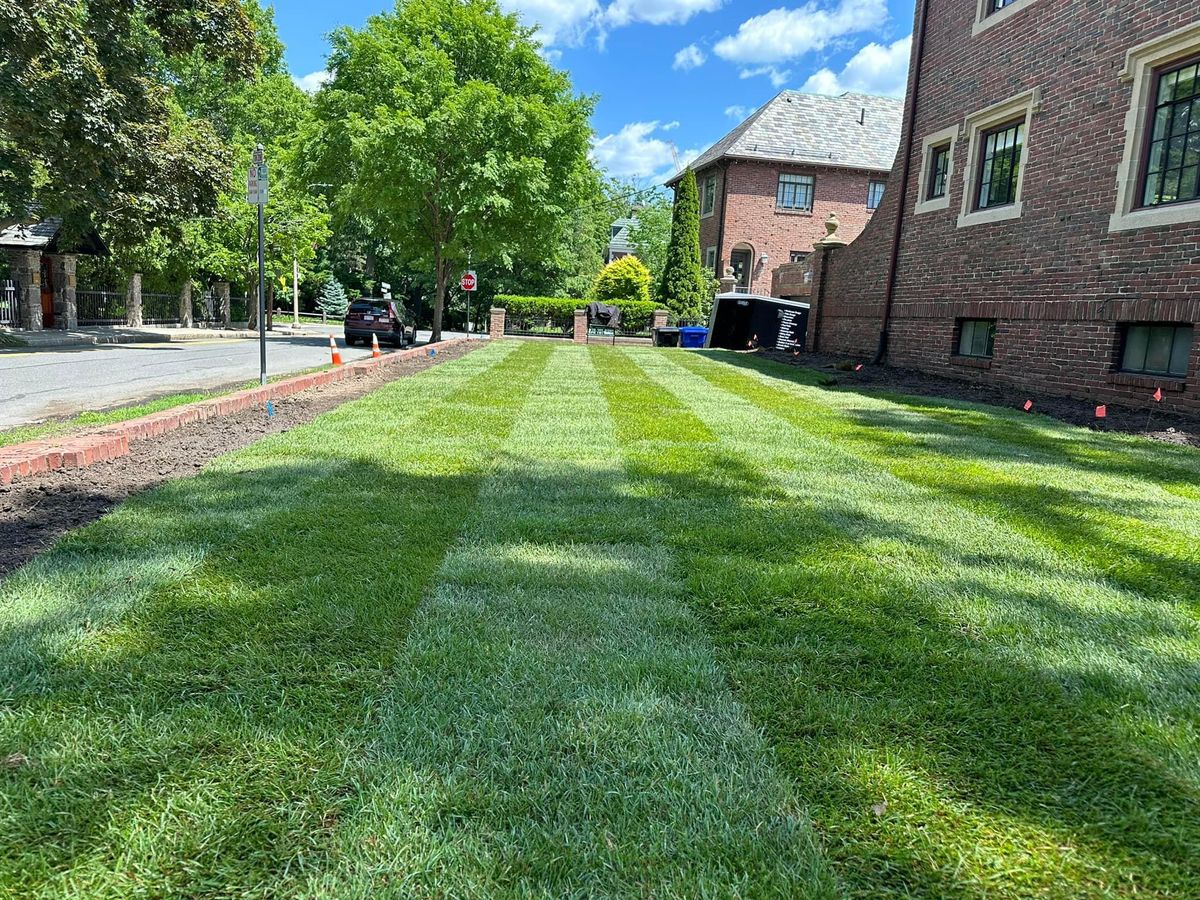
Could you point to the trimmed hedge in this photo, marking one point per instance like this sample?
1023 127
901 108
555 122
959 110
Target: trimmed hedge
634 313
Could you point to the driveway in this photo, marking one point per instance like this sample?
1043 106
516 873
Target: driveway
51 383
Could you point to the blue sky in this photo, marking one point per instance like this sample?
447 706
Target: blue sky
673 75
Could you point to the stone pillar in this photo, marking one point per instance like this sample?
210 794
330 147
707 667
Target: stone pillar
661 317
66 306
133 301
824 247
223 304
581 326
496 326
26 269
185 304
728 281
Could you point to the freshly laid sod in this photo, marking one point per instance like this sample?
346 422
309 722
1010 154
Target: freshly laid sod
554 621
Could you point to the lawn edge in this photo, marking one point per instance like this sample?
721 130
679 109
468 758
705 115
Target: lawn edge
77 450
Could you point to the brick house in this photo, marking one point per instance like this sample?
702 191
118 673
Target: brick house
767 187
1042 223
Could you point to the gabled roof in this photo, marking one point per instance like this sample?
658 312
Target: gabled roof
43 235
620 242
853 131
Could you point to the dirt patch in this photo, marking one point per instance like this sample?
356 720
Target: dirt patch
1158 425
35 512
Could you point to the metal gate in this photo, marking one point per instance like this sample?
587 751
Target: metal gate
10 304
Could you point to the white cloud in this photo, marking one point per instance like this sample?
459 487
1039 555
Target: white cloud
569 21
740 113
875 69
657 12
785 34
635 152
311 83
690 57
670 126
779 77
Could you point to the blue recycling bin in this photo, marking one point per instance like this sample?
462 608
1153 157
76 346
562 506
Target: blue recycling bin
693 337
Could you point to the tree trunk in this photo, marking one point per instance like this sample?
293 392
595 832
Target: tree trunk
252 304
439 301
270 307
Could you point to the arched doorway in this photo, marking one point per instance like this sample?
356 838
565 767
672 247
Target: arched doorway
741 258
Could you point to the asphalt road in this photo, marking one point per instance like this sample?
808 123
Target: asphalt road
42 384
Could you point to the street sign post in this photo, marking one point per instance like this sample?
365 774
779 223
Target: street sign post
256 195
469 284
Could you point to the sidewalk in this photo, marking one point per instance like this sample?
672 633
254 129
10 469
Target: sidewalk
149 334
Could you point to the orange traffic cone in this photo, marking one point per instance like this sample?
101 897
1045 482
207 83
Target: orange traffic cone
375 351
333 351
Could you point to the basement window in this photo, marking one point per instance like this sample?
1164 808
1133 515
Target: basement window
1152 349
977 338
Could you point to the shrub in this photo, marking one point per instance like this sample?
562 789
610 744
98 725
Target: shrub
626 278
635 314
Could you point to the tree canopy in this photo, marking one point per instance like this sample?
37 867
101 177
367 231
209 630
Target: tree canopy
89 123
445 130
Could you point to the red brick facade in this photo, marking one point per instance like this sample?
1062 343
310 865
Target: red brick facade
1061 279
752 220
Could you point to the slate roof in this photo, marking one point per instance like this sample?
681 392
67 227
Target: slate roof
854 131
44 236
620 242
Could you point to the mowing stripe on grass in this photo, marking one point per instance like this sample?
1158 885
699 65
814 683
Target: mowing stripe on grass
559 726
1126 531
190 682
965 709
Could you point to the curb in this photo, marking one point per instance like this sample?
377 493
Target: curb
82 449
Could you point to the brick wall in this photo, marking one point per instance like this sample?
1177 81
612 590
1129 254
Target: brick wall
752 218
1056 280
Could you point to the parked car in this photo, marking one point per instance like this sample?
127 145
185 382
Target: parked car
370 316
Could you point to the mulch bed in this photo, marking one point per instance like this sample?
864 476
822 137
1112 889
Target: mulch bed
1162 426
35 512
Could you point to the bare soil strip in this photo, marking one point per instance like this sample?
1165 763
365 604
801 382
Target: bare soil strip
35 512
1159 424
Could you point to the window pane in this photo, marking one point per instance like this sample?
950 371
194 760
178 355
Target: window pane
1158 351
1182 351
965 340
1136 339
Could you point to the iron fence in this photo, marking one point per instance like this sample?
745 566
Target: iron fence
540 326
239 309
205 307
160 309
100 307
10 304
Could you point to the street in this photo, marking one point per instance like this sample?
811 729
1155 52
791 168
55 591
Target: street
53 383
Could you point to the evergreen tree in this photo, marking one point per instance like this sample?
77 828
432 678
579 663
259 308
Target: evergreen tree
333 300
685 286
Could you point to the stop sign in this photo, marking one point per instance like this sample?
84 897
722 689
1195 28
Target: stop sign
469 281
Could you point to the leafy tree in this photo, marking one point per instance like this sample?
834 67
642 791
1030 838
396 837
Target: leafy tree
685 286
446 131
626 278
89 126
332 301
651 236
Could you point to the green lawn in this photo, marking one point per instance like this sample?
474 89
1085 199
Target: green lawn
553 621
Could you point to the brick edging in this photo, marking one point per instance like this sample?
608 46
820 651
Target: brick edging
80 449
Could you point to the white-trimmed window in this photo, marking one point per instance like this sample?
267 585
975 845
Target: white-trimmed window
989 13
937 169
710 259
997 159
1158 181
708 201
795 192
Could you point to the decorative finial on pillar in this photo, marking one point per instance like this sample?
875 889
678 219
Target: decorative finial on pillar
831 239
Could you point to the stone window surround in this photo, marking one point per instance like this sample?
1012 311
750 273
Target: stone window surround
937 139
1025 104
704 193
1142 66
985 19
